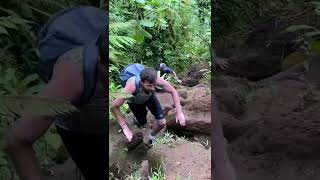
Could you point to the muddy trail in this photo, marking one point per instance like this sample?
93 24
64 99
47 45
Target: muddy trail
270 112
179 152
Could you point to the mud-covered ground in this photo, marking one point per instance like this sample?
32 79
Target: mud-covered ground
186 155
270 108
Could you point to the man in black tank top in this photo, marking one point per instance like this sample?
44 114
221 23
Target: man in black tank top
88 149
145 98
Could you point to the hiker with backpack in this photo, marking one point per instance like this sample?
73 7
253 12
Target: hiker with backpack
140 82
73 63
164 69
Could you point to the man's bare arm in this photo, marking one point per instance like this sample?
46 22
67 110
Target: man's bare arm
29 128
118 102
170 89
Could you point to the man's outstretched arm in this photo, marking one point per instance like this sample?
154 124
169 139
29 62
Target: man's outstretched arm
176 77
117 103
176 99
28 129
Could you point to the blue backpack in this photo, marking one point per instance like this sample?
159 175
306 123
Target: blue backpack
130 71
68 29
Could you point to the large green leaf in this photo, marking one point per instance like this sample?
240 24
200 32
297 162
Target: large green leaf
140 1
121 94
29 79
147 7
53 140
138 37
120 41
295 28
15 106
147 23
294 58
5 22
5 173
315 47
3 31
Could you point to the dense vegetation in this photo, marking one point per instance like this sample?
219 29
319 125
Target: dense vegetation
150 32
175 32
20 21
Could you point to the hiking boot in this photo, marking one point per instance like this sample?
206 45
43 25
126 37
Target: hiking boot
151 140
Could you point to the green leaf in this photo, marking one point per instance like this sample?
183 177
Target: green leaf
147 23
294 58
34 89
145 33
19 20
295 28
3 162
147 7
315 47
138 37
166 52
140 1
5 173
29 79
53 140
122 94
313 33
3 31
4 21
149 53
15 106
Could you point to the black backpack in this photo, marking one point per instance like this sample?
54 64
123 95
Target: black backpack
68 29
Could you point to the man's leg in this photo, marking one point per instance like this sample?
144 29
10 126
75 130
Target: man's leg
88 151
154 106
140 112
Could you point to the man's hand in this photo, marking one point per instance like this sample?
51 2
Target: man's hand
180 119
127 132
179 81
221 62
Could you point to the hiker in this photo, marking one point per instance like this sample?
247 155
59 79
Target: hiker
140 82
74 65
163 68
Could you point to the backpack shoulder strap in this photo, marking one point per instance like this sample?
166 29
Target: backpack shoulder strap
137 83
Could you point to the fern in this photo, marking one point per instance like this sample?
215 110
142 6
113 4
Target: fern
121 41
316 5
116 27
308 34
15 106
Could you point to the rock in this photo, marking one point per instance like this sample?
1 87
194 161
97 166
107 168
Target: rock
185 159
232 93
144 170
66 171
197 111
281 118
196 73
261 55
121 157
196 122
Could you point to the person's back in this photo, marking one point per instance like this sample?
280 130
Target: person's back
164 69
76 75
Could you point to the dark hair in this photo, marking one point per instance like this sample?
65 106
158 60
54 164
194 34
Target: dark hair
148 74
102 44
